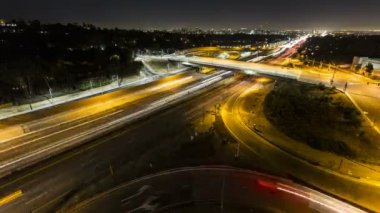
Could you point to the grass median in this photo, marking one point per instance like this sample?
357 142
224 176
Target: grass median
323 118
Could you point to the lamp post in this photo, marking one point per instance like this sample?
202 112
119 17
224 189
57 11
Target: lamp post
333 77
50 89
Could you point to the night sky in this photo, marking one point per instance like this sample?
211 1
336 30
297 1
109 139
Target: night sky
164 14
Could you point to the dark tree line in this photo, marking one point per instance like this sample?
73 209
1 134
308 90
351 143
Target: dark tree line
35 57
341 49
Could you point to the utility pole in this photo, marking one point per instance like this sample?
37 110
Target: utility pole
237 151
333 77
340 164
50 89
30 104
30 100
101 86
222 193
117 80
111 170
203 117
51 95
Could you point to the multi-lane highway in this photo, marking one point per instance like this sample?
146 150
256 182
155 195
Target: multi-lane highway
109 160
30 138
81 173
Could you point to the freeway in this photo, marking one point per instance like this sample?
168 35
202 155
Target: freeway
213 189
113 159
109 160
20 125
30 138
29 188
356 190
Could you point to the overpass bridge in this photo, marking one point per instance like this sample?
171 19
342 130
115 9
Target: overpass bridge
363 92
254 68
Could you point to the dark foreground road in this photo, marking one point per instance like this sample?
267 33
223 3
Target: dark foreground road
212 189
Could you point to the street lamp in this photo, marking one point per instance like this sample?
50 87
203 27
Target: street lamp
333 77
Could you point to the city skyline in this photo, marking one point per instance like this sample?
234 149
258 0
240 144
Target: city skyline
189 106
169 14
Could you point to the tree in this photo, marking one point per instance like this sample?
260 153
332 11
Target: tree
35 25
369 68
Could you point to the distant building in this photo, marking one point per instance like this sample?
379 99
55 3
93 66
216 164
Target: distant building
363 61
360 63
7 26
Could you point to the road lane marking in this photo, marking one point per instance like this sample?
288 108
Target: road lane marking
57 162
136 95
11 197
35 198
118 121
58 132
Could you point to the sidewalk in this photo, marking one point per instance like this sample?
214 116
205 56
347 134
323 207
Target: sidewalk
255 119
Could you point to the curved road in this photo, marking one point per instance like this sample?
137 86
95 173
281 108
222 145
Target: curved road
360 191
212 189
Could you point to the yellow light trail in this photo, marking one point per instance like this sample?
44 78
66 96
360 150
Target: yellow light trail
11 197
107 104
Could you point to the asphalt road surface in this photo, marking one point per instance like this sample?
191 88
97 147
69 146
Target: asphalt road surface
104 163
212 189
32 137
361 191
71 177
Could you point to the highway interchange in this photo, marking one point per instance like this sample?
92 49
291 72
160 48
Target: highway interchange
31 138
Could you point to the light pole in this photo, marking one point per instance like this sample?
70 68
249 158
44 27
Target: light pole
117 80
222 193
237 151
50 89
51 95
333 77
